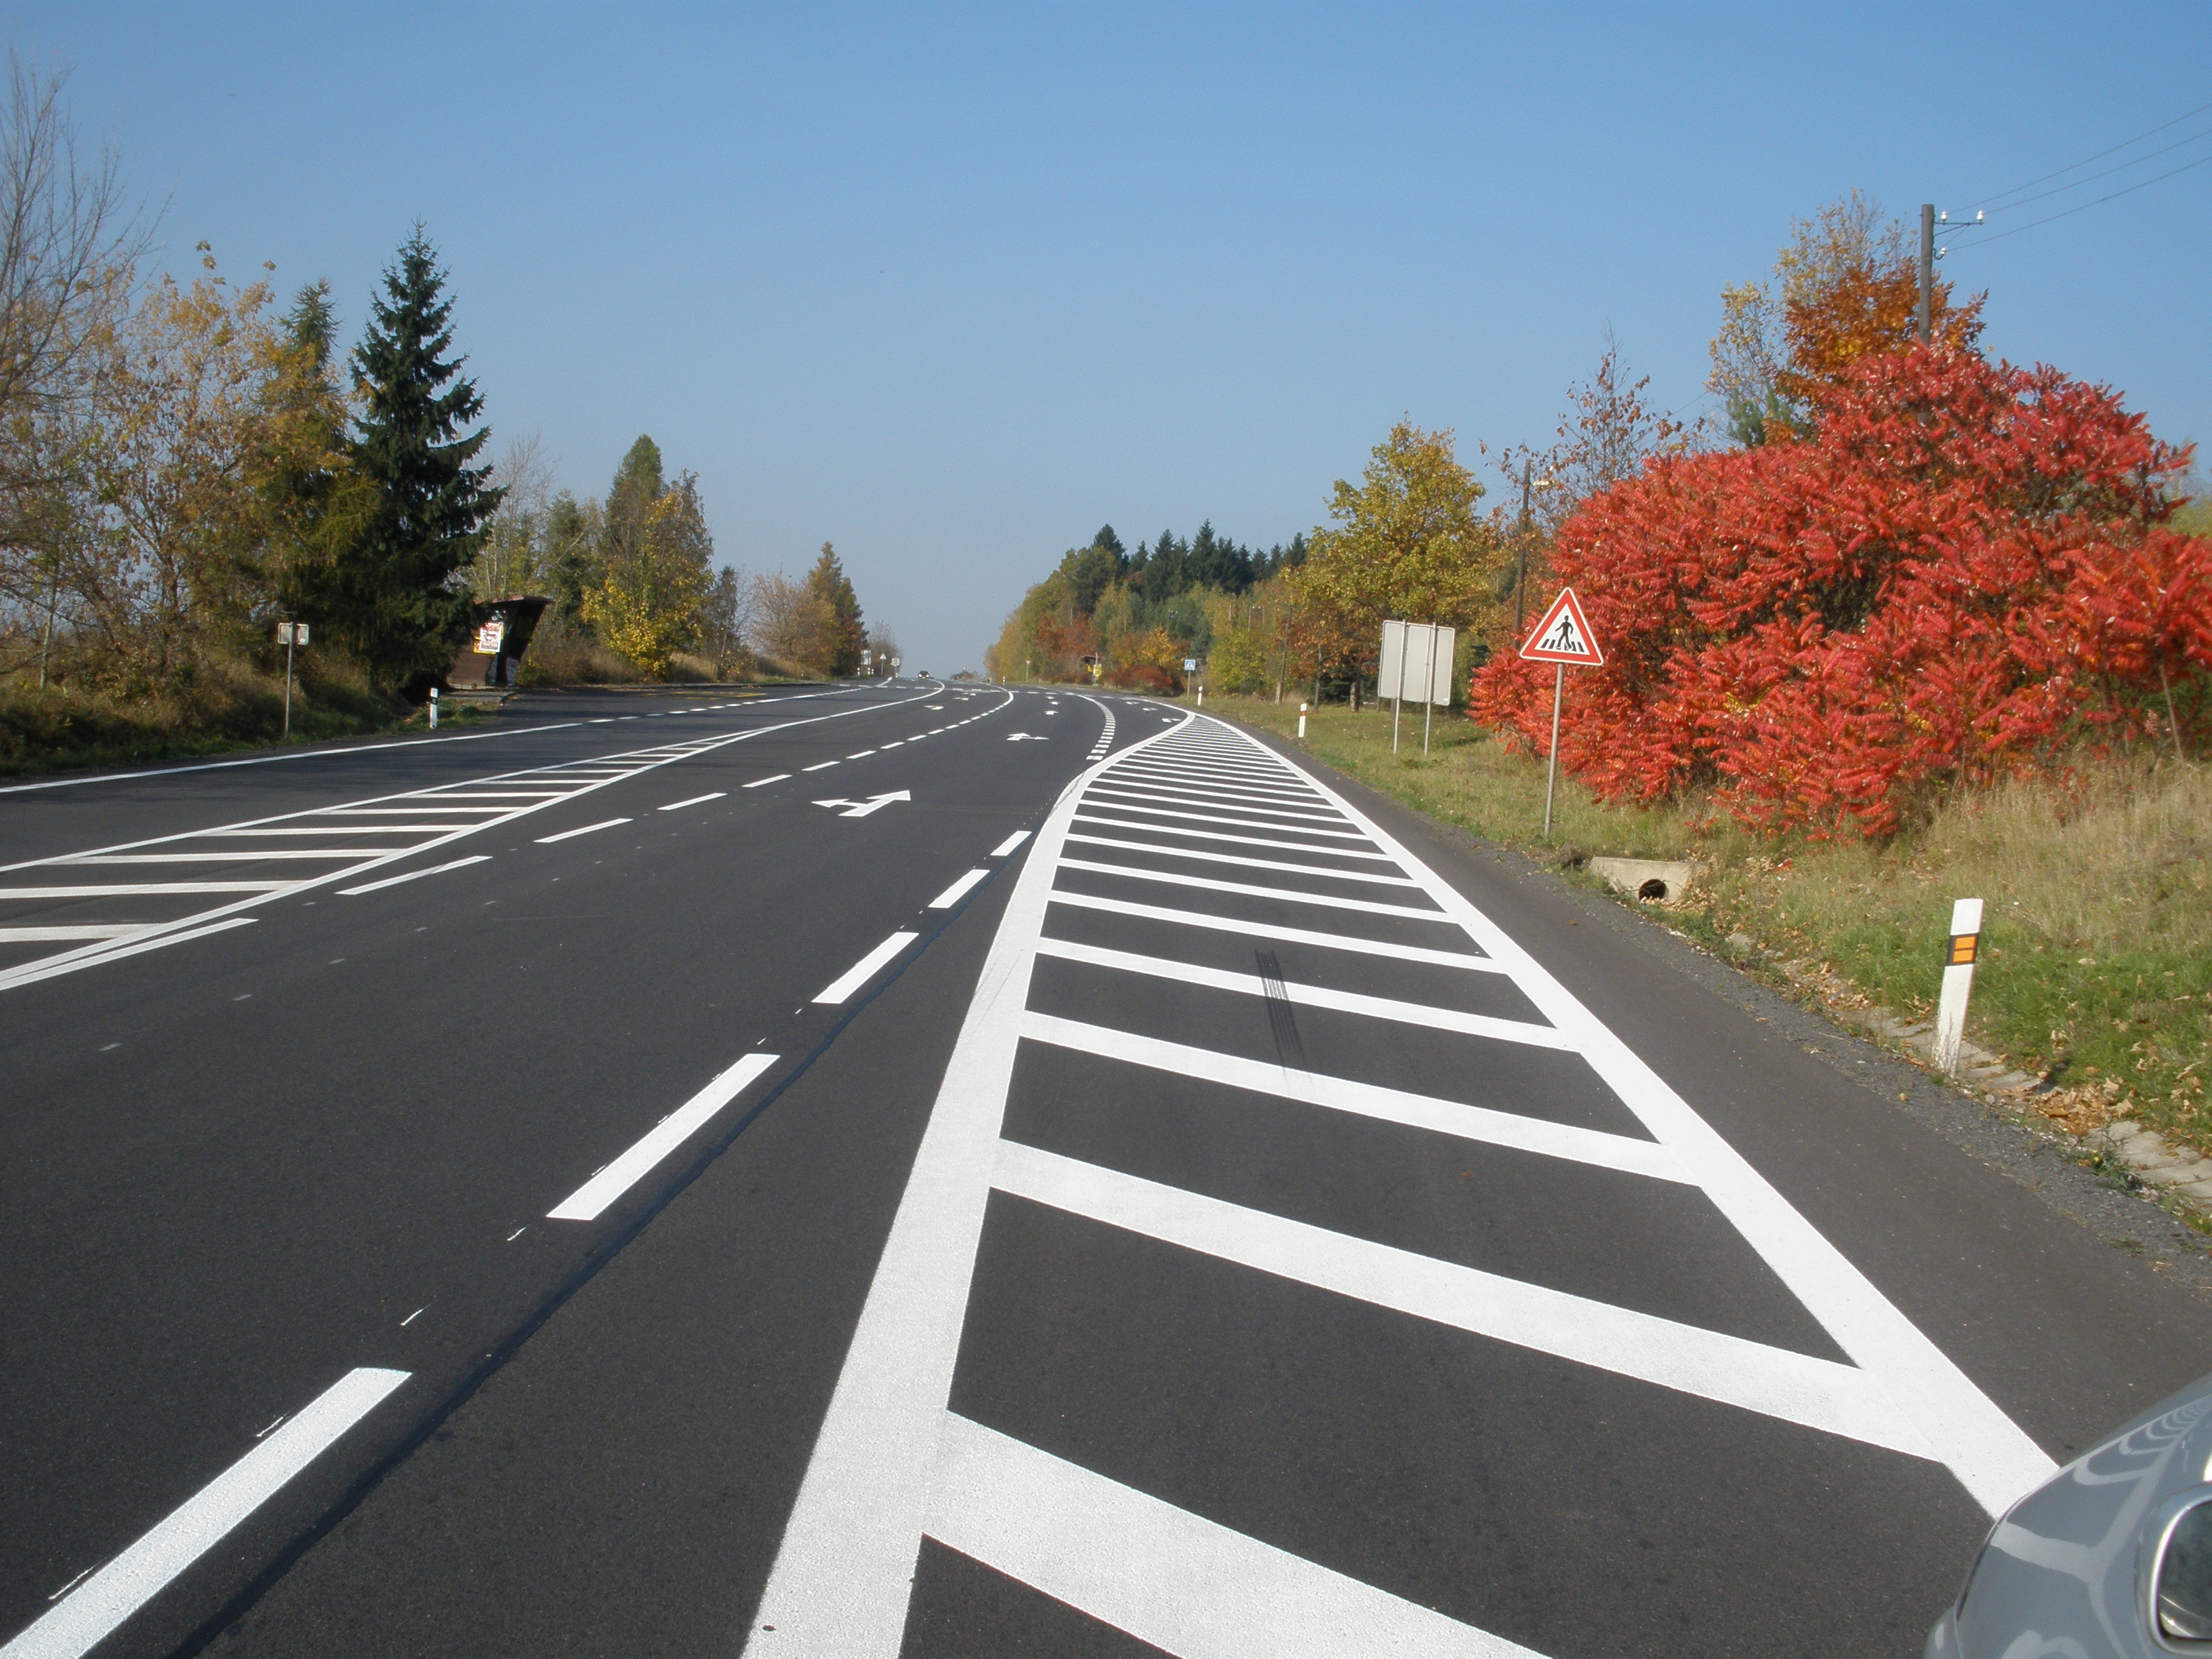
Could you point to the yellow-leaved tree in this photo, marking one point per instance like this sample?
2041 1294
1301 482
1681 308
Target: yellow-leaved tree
1406 544
649 602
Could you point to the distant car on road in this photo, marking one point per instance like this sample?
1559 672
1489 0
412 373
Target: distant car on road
2112 1555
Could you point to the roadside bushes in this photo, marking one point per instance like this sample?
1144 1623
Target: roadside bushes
1960 572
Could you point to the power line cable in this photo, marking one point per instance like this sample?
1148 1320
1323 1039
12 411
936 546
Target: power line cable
2098 157
2107 173
2068 212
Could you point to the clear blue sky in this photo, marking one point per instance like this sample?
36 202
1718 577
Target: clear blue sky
952 286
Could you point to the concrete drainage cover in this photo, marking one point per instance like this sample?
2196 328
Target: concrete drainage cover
1647 878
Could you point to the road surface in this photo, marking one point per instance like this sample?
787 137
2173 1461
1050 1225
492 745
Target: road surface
924 1170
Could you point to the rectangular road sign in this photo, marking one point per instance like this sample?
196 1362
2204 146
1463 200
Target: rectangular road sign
291 633
1424 651
1563 636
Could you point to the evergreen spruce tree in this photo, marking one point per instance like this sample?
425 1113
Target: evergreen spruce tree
396 602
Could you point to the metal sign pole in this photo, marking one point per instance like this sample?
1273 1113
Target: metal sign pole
1429 692
291 638
1551 775
1398 702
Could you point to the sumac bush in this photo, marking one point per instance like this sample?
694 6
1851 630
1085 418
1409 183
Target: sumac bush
1961 572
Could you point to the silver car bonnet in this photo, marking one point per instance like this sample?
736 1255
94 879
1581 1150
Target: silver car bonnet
2060 1577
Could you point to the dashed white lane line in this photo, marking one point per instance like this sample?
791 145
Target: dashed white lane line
589 1200
695 800
863 755
952 895
89 1613
394 881
819 766
866 968
1010 843
778 778
606 824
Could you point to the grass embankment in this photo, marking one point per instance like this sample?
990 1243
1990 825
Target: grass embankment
2096 964
66 728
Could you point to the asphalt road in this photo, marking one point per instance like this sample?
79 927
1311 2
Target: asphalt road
791 1175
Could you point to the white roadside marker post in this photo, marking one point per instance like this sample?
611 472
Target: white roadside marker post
1302 722
434 709
1958 981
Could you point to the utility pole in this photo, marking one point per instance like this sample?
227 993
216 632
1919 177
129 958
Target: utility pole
1927 269
1520 570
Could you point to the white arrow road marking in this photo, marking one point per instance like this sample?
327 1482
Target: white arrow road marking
860 809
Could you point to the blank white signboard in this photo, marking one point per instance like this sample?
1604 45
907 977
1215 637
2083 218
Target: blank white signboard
1426 653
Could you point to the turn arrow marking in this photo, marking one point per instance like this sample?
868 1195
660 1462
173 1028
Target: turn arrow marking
860 809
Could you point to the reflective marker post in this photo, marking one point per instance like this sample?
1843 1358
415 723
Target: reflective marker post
1958 981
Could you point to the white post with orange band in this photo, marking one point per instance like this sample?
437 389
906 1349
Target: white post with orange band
1958 981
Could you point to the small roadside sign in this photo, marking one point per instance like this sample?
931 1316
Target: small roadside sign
1563 636
291 633
489 637
1190 665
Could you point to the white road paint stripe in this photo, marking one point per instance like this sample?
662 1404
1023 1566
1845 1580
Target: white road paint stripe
394 881
678 806
819 766
1286 894
266 760
1983 1448
586 829
1181 1583
1250 864
243 855
952 895
1234 841
1241 823
842 1575
589 1200
778 778
1182 780
348 828
116 889
44 935
49 967
1352 942
1010 843
1312 996
841 988
863 755
90 1612
1796 1388
1626 1153
1297 820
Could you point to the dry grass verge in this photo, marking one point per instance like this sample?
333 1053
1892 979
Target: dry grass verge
2096 966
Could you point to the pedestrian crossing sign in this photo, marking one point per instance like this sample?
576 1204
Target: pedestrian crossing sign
1563 636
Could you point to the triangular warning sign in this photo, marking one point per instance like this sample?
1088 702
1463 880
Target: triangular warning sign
1565 634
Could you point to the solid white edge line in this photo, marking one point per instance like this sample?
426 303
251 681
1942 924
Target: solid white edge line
844 1569
1010 843
952 895
588 1200
695 800
394 881
95 1608
607 823
866 968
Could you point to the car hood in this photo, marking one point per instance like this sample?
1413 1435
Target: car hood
2058 1576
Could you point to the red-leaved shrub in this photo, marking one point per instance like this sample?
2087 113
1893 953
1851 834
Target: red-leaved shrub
1960 572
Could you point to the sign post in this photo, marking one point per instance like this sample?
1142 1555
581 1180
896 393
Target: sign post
289 635
1418 655
1562 637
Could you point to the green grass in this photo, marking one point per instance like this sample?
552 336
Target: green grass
2097 943
65 729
